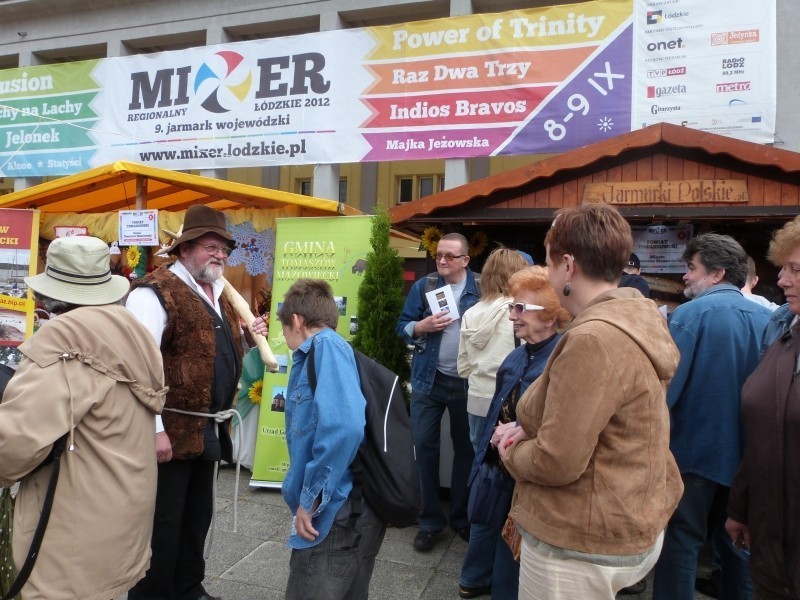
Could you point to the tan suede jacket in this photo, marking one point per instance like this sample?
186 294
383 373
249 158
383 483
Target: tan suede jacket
596 474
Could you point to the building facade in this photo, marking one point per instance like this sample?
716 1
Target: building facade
37 32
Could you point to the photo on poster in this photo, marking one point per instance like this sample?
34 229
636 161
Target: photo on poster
278 399
341 304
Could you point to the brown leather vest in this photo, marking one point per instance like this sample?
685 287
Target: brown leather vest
188 347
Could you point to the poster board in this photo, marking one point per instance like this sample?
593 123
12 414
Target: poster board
329 248
19 251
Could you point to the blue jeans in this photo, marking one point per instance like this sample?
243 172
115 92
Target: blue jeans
427 411
703 505
501 572
476 426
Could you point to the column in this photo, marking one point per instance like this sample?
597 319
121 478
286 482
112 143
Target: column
325 183
456 170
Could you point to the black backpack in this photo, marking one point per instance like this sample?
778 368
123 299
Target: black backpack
384 469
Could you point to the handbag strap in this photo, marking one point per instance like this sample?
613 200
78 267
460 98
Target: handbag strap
36 543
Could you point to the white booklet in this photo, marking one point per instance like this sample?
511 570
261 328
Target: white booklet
442 299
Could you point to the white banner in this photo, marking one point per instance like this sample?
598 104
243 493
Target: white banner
707 65
539 80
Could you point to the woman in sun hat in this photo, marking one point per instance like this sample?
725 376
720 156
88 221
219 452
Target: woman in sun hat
95 374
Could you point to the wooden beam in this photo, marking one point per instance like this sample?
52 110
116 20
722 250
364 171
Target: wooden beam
141 192
667 213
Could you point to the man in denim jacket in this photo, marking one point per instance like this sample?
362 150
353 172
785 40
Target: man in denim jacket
719 336
333 550
435 385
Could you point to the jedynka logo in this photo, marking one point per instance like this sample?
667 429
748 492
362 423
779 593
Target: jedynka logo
745 36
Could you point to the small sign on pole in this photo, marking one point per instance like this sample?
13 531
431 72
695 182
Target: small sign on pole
138 228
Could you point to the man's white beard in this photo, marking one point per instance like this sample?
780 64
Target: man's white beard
207 273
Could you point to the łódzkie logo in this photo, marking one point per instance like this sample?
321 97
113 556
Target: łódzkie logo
227 80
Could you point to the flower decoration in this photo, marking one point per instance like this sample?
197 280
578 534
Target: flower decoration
132 256
430 239
135 263
255 391
478 243
254 249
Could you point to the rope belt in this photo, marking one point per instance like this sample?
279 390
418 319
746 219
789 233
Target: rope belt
220 417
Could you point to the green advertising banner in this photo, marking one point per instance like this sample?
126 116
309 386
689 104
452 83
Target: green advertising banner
330 248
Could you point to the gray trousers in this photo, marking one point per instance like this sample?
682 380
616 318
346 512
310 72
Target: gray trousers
335 569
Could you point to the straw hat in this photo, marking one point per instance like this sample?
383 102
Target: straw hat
78 272
199 220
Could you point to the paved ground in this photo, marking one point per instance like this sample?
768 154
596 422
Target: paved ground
253 564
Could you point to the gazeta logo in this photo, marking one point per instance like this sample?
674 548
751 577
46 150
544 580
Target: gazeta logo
223 80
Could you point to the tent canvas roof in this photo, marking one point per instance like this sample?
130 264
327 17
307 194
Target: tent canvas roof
116 186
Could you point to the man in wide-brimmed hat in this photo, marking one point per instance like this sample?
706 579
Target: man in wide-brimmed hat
92 374
201 344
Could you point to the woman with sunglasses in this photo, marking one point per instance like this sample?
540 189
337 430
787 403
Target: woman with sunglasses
596 482
535 316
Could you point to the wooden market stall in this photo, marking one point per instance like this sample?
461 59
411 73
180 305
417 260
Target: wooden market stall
662 174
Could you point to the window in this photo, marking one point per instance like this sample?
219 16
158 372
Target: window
406 189
305 187
343 191
425 186
412 187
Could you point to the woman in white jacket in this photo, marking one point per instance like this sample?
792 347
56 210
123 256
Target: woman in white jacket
487 336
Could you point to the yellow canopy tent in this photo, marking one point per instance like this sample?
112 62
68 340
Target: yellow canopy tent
92 199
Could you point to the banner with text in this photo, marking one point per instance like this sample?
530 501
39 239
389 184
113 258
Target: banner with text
539 80
19 247
330 248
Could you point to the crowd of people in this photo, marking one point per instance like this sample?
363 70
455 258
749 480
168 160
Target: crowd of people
631 441
594 441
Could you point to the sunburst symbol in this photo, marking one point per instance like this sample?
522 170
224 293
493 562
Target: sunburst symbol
605 124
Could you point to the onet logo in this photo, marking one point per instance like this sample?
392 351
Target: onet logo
226 80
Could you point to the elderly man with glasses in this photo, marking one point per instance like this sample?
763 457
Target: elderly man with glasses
436 386
200 338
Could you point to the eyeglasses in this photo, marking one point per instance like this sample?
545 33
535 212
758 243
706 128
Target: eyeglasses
448 257
215 249
518 308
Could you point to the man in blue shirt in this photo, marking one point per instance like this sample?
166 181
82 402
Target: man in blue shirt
333 551
436 386
718 334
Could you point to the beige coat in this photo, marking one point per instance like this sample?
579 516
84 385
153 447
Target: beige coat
487 337
597 475
104 394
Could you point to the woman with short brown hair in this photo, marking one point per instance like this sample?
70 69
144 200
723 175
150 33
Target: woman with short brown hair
596 482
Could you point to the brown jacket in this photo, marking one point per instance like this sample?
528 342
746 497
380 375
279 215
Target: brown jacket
597 475
105 393
766 490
